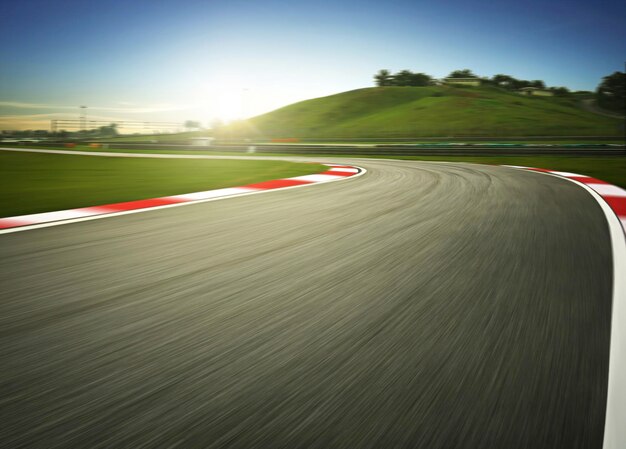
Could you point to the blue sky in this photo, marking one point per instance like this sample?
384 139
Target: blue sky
178 60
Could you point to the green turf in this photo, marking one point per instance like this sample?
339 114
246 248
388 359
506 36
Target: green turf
608 168
35 182
413 112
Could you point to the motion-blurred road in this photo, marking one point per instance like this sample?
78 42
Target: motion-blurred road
422 305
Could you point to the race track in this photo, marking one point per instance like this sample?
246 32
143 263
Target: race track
423 305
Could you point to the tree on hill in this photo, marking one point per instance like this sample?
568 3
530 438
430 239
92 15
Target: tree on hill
383 78
509 82
408 78
538 84
465 73
503 80
402 78
520 84
611 93
421 79
560 91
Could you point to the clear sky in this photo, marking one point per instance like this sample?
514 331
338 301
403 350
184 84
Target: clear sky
200 60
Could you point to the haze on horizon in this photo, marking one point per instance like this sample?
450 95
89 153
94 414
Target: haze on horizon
198 60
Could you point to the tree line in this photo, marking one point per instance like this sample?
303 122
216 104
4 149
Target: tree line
610 93
407 78
402 78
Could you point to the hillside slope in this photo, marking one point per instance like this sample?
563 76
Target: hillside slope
427 111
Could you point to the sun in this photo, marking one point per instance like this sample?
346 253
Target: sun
228 105
226 101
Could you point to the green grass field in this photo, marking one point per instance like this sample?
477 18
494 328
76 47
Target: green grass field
608 168
413 112
32 183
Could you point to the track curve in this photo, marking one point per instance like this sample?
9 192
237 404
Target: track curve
423 305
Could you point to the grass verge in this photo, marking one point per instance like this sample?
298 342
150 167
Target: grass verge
37 182
608 168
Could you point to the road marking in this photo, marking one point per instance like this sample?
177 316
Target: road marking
212 193
561 173
612 200
316 178
607 190
344 169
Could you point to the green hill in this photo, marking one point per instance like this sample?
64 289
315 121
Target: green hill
381 112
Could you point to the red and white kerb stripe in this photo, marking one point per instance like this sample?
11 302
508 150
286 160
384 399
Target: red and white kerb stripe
614 196
334 173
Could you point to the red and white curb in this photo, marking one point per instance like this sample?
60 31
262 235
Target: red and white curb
614 196
612 200
33 221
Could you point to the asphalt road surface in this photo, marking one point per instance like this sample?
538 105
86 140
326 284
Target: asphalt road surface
422 305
